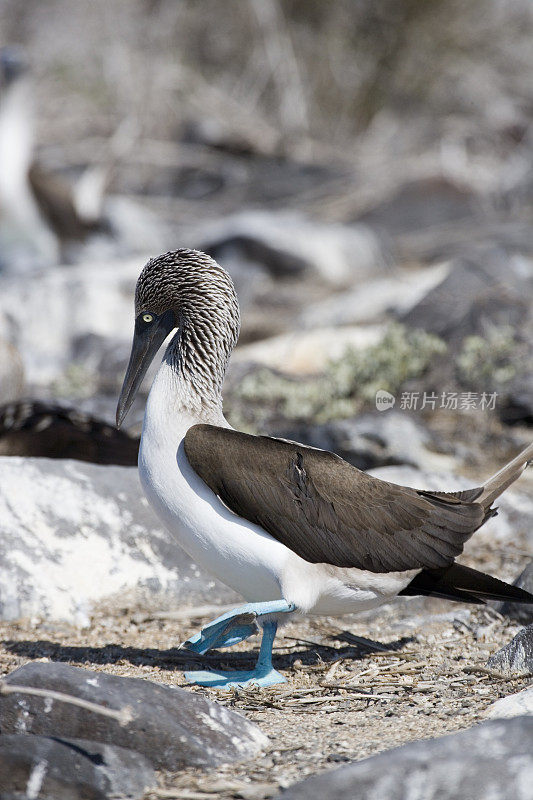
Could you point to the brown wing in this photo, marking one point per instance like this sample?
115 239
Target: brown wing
326 510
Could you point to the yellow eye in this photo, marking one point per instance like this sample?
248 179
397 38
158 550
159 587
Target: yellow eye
147 317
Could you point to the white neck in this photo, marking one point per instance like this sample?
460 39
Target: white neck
174 405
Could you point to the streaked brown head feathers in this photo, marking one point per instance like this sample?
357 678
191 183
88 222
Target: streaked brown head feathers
188 291
192 284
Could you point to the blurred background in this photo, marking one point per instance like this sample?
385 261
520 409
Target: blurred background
364 171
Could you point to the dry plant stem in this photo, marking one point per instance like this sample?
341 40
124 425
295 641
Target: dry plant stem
491 673
308 641
123 717
282 65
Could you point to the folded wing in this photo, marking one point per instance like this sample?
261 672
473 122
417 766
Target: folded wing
328 511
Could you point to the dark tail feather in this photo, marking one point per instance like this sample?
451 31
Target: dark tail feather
464 584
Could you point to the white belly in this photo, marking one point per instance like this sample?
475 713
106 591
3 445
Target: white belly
238 552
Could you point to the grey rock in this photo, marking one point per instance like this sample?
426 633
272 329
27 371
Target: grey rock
463 239
74 533
514 705
372 440
516 658
417 204
371 300
54 309
104 360
172 727
517 406
63 769
287 243
494 760
520 611
474 295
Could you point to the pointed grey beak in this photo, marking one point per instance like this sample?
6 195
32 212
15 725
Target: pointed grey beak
147 339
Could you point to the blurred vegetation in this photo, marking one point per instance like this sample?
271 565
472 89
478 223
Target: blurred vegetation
344 388
491 362
77 380
279 72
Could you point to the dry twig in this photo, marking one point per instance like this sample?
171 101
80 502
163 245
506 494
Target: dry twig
123 717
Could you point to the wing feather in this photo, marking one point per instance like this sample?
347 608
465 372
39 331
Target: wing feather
328 511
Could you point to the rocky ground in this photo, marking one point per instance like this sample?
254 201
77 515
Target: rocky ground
422 674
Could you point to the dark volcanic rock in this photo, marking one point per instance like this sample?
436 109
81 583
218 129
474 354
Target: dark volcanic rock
520 611
517 408
479 291
490 760
516 658
422 203
173 728
68 769
286 244
277 261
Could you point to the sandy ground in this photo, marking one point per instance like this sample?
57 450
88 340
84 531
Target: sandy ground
342 701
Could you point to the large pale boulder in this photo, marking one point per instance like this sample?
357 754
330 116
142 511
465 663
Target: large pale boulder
49 312
514 705
308 352
72 534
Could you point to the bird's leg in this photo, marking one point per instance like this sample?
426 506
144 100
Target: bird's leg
232 628
264 673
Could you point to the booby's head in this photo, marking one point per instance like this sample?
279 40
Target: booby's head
187 291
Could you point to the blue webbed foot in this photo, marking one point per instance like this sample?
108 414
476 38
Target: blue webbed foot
227 630
239 679
231 628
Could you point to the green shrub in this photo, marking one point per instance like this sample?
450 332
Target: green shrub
489 363
346 385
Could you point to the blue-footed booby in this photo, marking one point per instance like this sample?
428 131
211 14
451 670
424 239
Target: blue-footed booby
39 210
293 529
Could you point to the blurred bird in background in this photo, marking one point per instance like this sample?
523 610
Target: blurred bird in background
40 212
22 227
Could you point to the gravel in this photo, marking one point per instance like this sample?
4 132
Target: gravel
342 702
